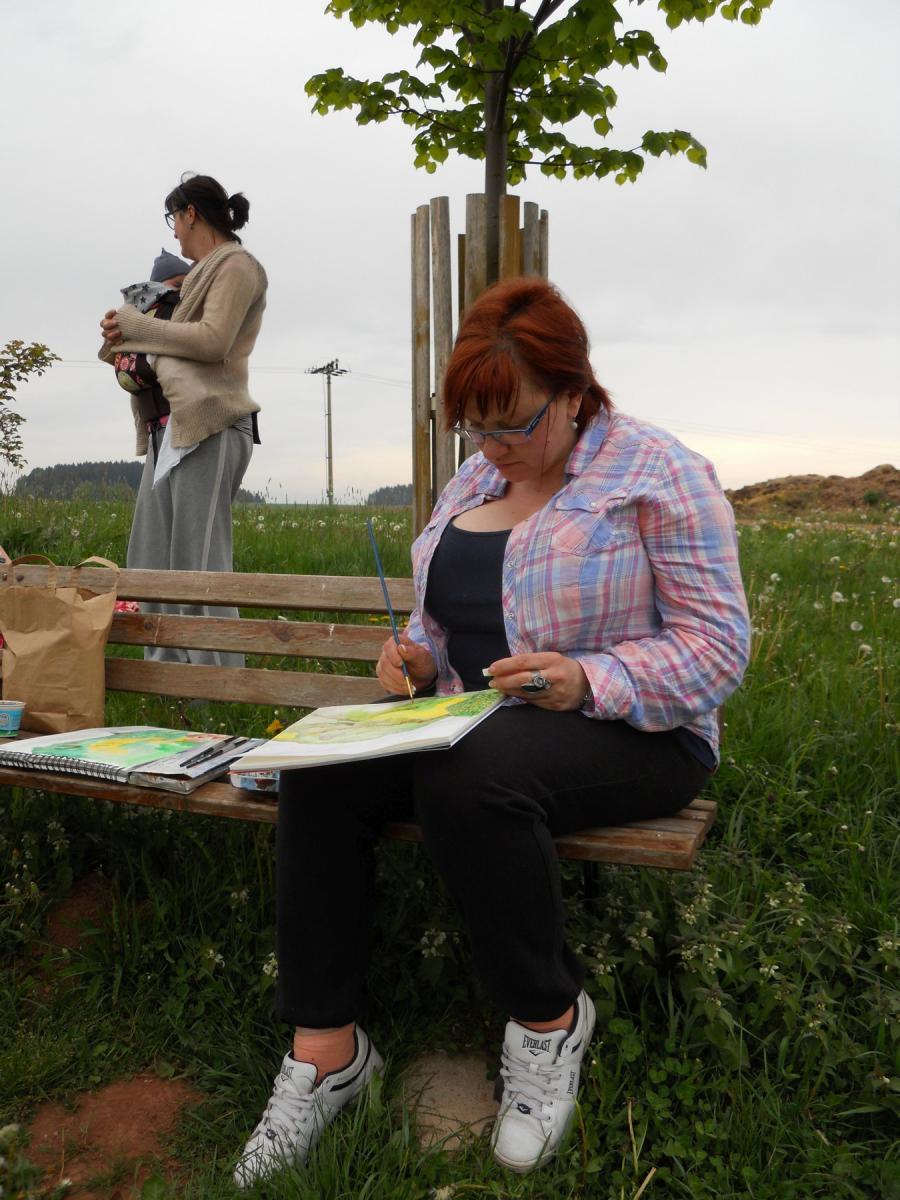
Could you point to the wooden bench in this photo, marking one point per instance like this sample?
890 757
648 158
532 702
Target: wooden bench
318 647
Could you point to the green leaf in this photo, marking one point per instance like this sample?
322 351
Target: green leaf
154 1188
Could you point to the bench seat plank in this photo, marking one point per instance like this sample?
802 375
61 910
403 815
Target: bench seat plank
640 843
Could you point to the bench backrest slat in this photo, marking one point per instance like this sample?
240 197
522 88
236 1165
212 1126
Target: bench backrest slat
313 593
244 685
306 639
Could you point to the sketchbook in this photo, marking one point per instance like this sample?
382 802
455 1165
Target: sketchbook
174 760
347 732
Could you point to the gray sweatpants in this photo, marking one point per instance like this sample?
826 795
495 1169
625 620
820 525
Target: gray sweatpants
184 524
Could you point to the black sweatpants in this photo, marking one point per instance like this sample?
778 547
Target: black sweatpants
489 809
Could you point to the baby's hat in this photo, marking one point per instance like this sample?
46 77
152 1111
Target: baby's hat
167 265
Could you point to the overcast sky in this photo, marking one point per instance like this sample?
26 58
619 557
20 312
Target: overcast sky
752 308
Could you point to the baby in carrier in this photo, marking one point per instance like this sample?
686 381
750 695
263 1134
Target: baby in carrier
158 298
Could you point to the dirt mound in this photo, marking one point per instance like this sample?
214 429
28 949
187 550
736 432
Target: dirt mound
87 905
112 1141
875 488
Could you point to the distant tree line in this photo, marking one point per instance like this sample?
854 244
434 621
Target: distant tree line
396 494
94 481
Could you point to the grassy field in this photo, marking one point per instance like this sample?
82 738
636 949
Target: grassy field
748 1042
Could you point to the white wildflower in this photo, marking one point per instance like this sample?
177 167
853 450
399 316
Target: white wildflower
856 626
837 598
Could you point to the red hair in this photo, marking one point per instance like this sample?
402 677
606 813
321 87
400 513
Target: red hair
520 328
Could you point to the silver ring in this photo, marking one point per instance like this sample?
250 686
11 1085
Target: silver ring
539 683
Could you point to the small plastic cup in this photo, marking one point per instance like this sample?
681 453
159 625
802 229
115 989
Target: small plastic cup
10 717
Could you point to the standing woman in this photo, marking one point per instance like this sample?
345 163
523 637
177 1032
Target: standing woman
197 456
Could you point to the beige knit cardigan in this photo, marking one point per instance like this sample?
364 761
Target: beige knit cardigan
203 351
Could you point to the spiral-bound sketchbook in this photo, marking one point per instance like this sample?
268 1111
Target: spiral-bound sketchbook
175 760
347 732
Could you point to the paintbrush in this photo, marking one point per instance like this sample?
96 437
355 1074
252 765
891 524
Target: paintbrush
387 601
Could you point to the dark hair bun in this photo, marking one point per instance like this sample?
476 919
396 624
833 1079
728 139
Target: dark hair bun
240 209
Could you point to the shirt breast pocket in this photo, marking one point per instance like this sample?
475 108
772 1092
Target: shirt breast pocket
588 524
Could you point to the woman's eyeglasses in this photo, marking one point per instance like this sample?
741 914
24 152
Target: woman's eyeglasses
504 437
170 216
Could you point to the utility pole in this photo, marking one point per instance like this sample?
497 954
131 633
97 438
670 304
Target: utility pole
329 369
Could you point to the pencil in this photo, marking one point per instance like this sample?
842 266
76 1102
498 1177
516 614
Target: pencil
387 601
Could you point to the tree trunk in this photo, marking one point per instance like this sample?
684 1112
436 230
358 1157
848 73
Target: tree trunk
495 152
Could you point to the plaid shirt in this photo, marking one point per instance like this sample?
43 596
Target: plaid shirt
631 568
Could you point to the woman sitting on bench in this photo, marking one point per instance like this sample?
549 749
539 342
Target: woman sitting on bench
585 564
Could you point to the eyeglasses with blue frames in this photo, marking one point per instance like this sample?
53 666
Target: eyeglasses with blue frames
503 437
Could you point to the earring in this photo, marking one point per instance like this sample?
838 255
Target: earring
573 424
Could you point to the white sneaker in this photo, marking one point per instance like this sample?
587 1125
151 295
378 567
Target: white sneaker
299 1110
540 1084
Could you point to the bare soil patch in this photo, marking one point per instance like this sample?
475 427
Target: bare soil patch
450 1096
113 1139
87 905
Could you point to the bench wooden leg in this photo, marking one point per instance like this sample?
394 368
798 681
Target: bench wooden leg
589 875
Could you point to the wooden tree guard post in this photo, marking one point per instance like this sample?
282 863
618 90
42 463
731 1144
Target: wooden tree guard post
523 251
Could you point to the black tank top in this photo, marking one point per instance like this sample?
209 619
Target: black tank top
465 583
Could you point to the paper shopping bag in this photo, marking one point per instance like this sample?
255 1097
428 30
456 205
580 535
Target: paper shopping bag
54 638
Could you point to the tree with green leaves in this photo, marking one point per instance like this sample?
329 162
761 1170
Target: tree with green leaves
499 80
17 363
